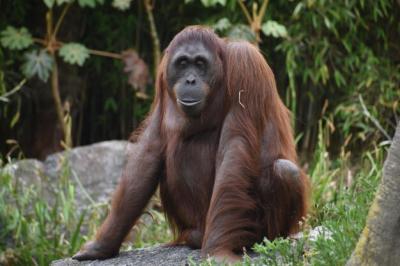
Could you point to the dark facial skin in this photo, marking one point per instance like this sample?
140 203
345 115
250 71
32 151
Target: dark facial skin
190 77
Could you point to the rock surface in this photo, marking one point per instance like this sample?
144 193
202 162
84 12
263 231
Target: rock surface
158 255
96 168
179 255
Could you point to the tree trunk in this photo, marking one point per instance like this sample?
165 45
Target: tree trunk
379 243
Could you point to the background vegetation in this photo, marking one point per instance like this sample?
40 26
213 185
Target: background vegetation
337 65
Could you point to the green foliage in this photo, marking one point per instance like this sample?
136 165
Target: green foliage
281 251
34 231
37 62
330 53
222 25
16 39
37 230
74 53
82 3
339 50
241 32
211 3
122 4
51 3
2 88
90 3
3 94
274 29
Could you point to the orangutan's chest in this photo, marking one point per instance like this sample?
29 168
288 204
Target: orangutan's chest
191 165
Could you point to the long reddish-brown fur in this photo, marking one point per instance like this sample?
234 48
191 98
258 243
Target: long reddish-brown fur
218 184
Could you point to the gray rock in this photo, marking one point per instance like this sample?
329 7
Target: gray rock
96 168
180 255
158 255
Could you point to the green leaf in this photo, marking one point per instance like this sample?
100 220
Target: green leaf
339 79
15 119
49 3
110 105
241 32
212 3
274 29
60 2
74 53
297 10
90 3
16 39
37 63
121 4
222 24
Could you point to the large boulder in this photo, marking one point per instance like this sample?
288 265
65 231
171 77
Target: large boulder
96 168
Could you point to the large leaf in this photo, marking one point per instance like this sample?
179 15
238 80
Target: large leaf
222 25
121 4
16 39
74 53
211 3
37 63
90 3
241 32
49 3
274 29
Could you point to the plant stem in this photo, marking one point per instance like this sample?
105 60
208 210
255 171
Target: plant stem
55 91
373 119
60 20
153 32
245 11
259 18
105 54
58 44
8 94
41 41
251 19
256 20
263 9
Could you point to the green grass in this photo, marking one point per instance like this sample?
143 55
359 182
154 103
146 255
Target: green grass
36 232
32 232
